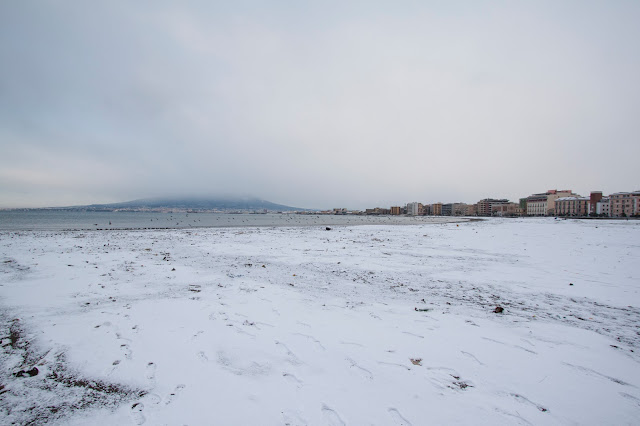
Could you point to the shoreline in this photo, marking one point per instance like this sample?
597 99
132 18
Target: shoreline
163 221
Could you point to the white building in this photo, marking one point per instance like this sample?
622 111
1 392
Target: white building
545 204
603 207
537 205
413 209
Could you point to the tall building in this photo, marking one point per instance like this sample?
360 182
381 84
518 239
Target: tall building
506 210
459 209
523 204
544 204
625 204
471 210
485 206
594 198
537 204
395 210
603 207
377 211
436 209
414 209
454 209
572 206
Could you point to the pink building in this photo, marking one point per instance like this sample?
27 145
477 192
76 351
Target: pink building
572 206
625 204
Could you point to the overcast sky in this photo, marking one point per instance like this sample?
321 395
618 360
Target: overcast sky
353 104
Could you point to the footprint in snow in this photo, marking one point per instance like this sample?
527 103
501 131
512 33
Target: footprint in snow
126 350
292 378
112 368
447 378
173 395
630 397
394 364
152 398
104 324
150 372
293 359
293 418
313 339
361 371
528 401
119 337
398 418
472 356
333 419
136 413
589 371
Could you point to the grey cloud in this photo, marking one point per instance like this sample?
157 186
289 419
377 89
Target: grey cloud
319 105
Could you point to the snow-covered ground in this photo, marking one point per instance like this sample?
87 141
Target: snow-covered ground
365 325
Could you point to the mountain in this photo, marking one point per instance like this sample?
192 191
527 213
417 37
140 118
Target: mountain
194 203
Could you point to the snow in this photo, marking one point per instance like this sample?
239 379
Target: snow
300 325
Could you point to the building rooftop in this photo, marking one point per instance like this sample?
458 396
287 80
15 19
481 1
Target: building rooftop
627 193
572 198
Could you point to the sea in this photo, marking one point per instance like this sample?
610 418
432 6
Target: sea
59 220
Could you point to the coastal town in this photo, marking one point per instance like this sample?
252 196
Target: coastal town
554 202
563 203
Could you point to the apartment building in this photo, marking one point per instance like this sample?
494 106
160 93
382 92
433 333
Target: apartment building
544 204
602 207
523 204
624 204
485 206
454 209
414 209
459 209
594 198
377 211
598 205
472 210
537 205
572 206
506 209
552 202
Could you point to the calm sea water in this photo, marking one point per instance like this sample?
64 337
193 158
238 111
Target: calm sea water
55 220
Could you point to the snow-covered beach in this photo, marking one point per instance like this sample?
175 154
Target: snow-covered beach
383 325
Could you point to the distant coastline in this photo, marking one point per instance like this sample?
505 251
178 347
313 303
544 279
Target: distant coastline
92 220
234 205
